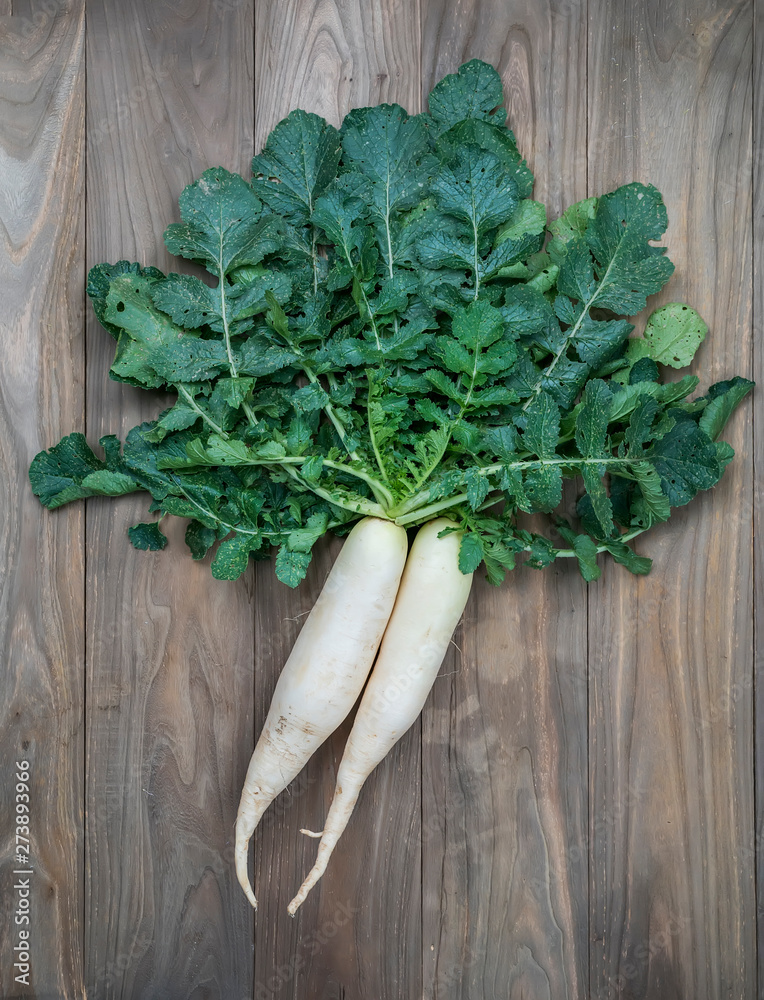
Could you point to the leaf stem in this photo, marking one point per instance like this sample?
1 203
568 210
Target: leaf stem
329 409
182 390
409 510
380 491
475 250
211 515
314 257
372 436
424 513
371 315
570 554
570 334
359 506
487 470
252 419
224 317
382 494
452 424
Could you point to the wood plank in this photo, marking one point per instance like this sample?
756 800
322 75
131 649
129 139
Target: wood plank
758 459
170 650
358 934
42 119
672 878
504 733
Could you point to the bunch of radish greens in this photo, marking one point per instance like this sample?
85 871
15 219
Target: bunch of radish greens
396 336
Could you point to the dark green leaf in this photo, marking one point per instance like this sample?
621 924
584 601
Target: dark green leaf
291 567
644 370
296 165
187 300
543 487
543 426
147 536
586 554
71 471
626 556
592 419
199 539
110 484
474 91
232 556
621 238
687 461
303 539
99 283
470 552
724 397
477 188
478 487
601 505
654 504
223 226
235 390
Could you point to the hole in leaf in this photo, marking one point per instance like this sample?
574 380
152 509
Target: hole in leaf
120 307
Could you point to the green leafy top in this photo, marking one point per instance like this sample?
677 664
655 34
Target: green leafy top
388 331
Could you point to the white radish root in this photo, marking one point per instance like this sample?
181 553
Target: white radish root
326 670
431 598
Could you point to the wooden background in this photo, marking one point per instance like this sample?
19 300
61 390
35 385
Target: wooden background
575 814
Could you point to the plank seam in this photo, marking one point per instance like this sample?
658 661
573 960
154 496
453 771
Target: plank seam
85 663
755 139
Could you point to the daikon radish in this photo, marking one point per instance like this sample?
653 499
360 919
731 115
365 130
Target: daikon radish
430 602
326 669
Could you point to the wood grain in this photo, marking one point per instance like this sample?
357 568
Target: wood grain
672 881
42 105
505 731
358 934
170 650
574 817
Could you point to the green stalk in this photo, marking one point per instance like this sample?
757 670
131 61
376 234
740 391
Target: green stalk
570 554
378 489
359 506
251 418
372 437
236 527
329 409
182 390
570 335
409 511
425 513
